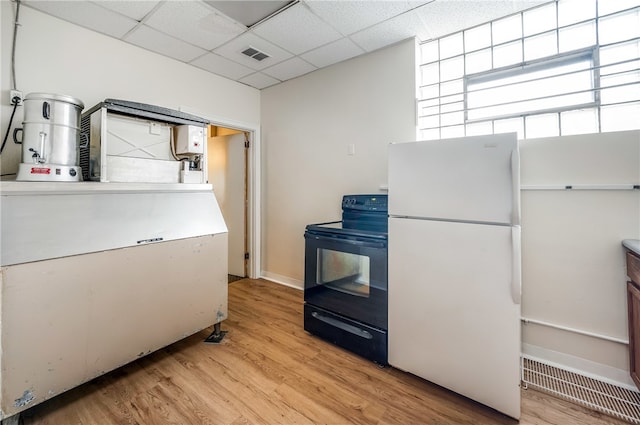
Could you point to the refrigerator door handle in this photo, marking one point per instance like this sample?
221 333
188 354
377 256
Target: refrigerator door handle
515 188
516 265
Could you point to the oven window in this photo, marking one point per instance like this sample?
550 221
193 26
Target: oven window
343 272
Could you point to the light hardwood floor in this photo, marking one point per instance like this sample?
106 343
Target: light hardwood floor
268 370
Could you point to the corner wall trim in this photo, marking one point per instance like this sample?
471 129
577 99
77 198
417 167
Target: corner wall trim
283 280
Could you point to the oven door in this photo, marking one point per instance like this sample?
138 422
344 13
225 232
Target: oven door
347 274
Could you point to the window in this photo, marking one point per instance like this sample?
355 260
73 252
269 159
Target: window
564 67
564 84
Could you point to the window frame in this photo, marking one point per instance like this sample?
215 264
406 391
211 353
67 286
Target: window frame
542 64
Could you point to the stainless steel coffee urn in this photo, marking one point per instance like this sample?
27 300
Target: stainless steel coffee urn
50 139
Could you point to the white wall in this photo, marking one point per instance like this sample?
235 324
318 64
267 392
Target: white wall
308 124
54 56
573 261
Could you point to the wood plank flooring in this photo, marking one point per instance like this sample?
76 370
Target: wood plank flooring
268 370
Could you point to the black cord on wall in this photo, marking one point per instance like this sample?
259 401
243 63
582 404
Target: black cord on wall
15 100
6 135
13 45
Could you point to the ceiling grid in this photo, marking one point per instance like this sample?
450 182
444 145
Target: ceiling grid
297 36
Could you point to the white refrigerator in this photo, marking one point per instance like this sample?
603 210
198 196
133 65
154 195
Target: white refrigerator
454 265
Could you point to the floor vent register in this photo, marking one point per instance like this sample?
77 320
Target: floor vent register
610 399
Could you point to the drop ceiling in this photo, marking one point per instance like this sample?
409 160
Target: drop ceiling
294 37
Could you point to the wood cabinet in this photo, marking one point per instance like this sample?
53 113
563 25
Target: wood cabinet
633 302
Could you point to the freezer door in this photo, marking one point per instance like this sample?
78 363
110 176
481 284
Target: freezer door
467 179
454 317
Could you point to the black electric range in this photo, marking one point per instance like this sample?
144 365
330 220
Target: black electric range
346 277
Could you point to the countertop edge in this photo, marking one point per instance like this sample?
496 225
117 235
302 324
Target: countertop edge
632 245
8 188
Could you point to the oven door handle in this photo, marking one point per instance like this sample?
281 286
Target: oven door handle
354 242
344 326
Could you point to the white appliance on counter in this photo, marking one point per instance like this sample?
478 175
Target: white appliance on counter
132 142
454 265
50 138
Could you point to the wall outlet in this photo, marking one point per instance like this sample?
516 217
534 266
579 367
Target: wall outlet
13 94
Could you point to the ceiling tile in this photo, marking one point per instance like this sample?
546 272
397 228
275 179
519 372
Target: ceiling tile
335 52
291 68
158 42
194 22
233 51
248 12
259 80
446 17
351 16
221 66
133 9
391 31
88 15
418 3
297 30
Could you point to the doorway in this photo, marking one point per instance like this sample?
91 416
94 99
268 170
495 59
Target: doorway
228 171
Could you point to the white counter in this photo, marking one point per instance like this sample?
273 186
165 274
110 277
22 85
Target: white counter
51 220
26 188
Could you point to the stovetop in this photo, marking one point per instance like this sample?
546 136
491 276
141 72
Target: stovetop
337 229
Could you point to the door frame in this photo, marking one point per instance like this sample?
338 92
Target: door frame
254 210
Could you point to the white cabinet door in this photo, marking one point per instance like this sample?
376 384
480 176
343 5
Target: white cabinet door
454 316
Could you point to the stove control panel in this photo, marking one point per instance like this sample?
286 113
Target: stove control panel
365 202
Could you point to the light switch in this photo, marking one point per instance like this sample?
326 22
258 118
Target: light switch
351 149
154 128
